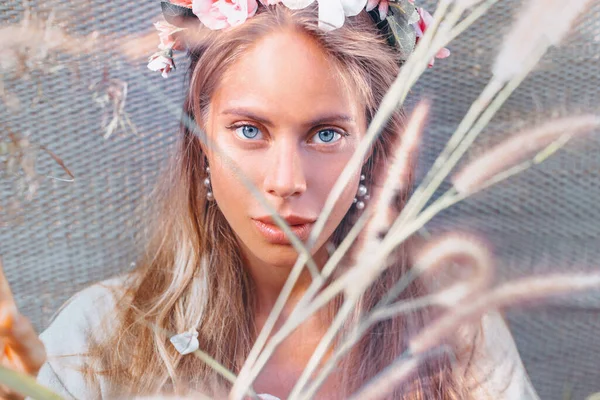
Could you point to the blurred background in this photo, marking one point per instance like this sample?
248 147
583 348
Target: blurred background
75 90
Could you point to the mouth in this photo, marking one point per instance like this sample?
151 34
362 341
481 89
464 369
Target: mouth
300 226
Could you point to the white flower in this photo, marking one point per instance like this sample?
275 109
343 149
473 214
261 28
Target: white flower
162 61
332 13
186 342
297 4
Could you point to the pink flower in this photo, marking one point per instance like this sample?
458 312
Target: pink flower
221 14
182 3
165 33
162 61
425 20
269 3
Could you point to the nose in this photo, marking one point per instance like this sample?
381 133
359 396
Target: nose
284 175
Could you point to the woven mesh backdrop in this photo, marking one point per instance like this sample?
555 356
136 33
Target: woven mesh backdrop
62 236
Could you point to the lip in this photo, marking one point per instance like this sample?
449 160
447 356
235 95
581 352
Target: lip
300 226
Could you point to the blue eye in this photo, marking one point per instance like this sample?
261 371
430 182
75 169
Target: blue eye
247 131
327 136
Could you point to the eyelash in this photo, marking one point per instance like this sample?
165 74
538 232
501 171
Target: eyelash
234 127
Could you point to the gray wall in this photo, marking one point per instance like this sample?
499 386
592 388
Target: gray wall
71 234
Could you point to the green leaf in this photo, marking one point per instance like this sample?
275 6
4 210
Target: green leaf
407 8
26 385
177 15
399 20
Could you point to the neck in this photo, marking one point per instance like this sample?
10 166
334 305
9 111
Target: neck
269 280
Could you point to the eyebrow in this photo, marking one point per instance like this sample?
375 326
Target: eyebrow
241 112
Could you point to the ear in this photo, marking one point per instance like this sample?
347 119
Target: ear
206 151
368 156
203 128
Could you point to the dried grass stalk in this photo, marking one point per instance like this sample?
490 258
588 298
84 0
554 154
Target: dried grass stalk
136 47
517 292
464 259
518 148
18 157
540 23
28 45
399 171
369 259
111 96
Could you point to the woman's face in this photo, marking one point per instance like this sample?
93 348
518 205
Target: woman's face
283 115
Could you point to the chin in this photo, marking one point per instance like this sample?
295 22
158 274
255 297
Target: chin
280 256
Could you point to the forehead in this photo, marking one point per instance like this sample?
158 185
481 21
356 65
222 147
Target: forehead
287 74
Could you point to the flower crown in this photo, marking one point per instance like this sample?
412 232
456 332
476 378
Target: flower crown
399 20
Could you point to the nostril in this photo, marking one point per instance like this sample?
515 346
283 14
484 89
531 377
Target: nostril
286 179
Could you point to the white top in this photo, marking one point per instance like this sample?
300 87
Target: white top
496 364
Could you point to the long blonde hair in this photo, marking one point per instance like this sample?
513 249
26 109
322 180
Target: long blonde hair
192 275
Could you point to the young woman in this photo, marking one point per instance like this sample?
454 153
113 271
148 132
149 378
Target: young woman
286 102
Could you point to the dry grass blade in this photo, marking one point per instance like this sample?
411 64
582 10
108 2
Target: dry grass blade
61 163
16 381
370 260
137 47
464 259
468 251
115 102
6 298
28 46
399 171
11 100
111 96
518 292
517 148
18 157
410 70
26 385
512 65
394 98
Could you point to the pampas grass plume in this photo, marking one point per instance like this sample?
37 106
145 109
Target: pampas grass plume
369 261
517 148
398 174
539 23
26 46
442 257
513 293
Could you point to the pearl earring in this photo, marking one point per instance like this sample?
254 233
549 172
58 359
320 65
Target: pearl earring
209 193
361 194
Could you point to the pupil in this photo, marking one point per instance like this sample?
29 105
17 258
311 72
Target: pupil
249 131
326 136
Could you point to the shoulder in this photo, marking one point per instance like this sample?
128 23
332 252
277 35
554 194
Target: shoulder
81 313
68 337
494 368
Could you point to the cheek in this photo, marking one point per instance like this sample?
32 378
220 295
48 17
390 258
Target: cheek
229 191
324 180
345 200
226 164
